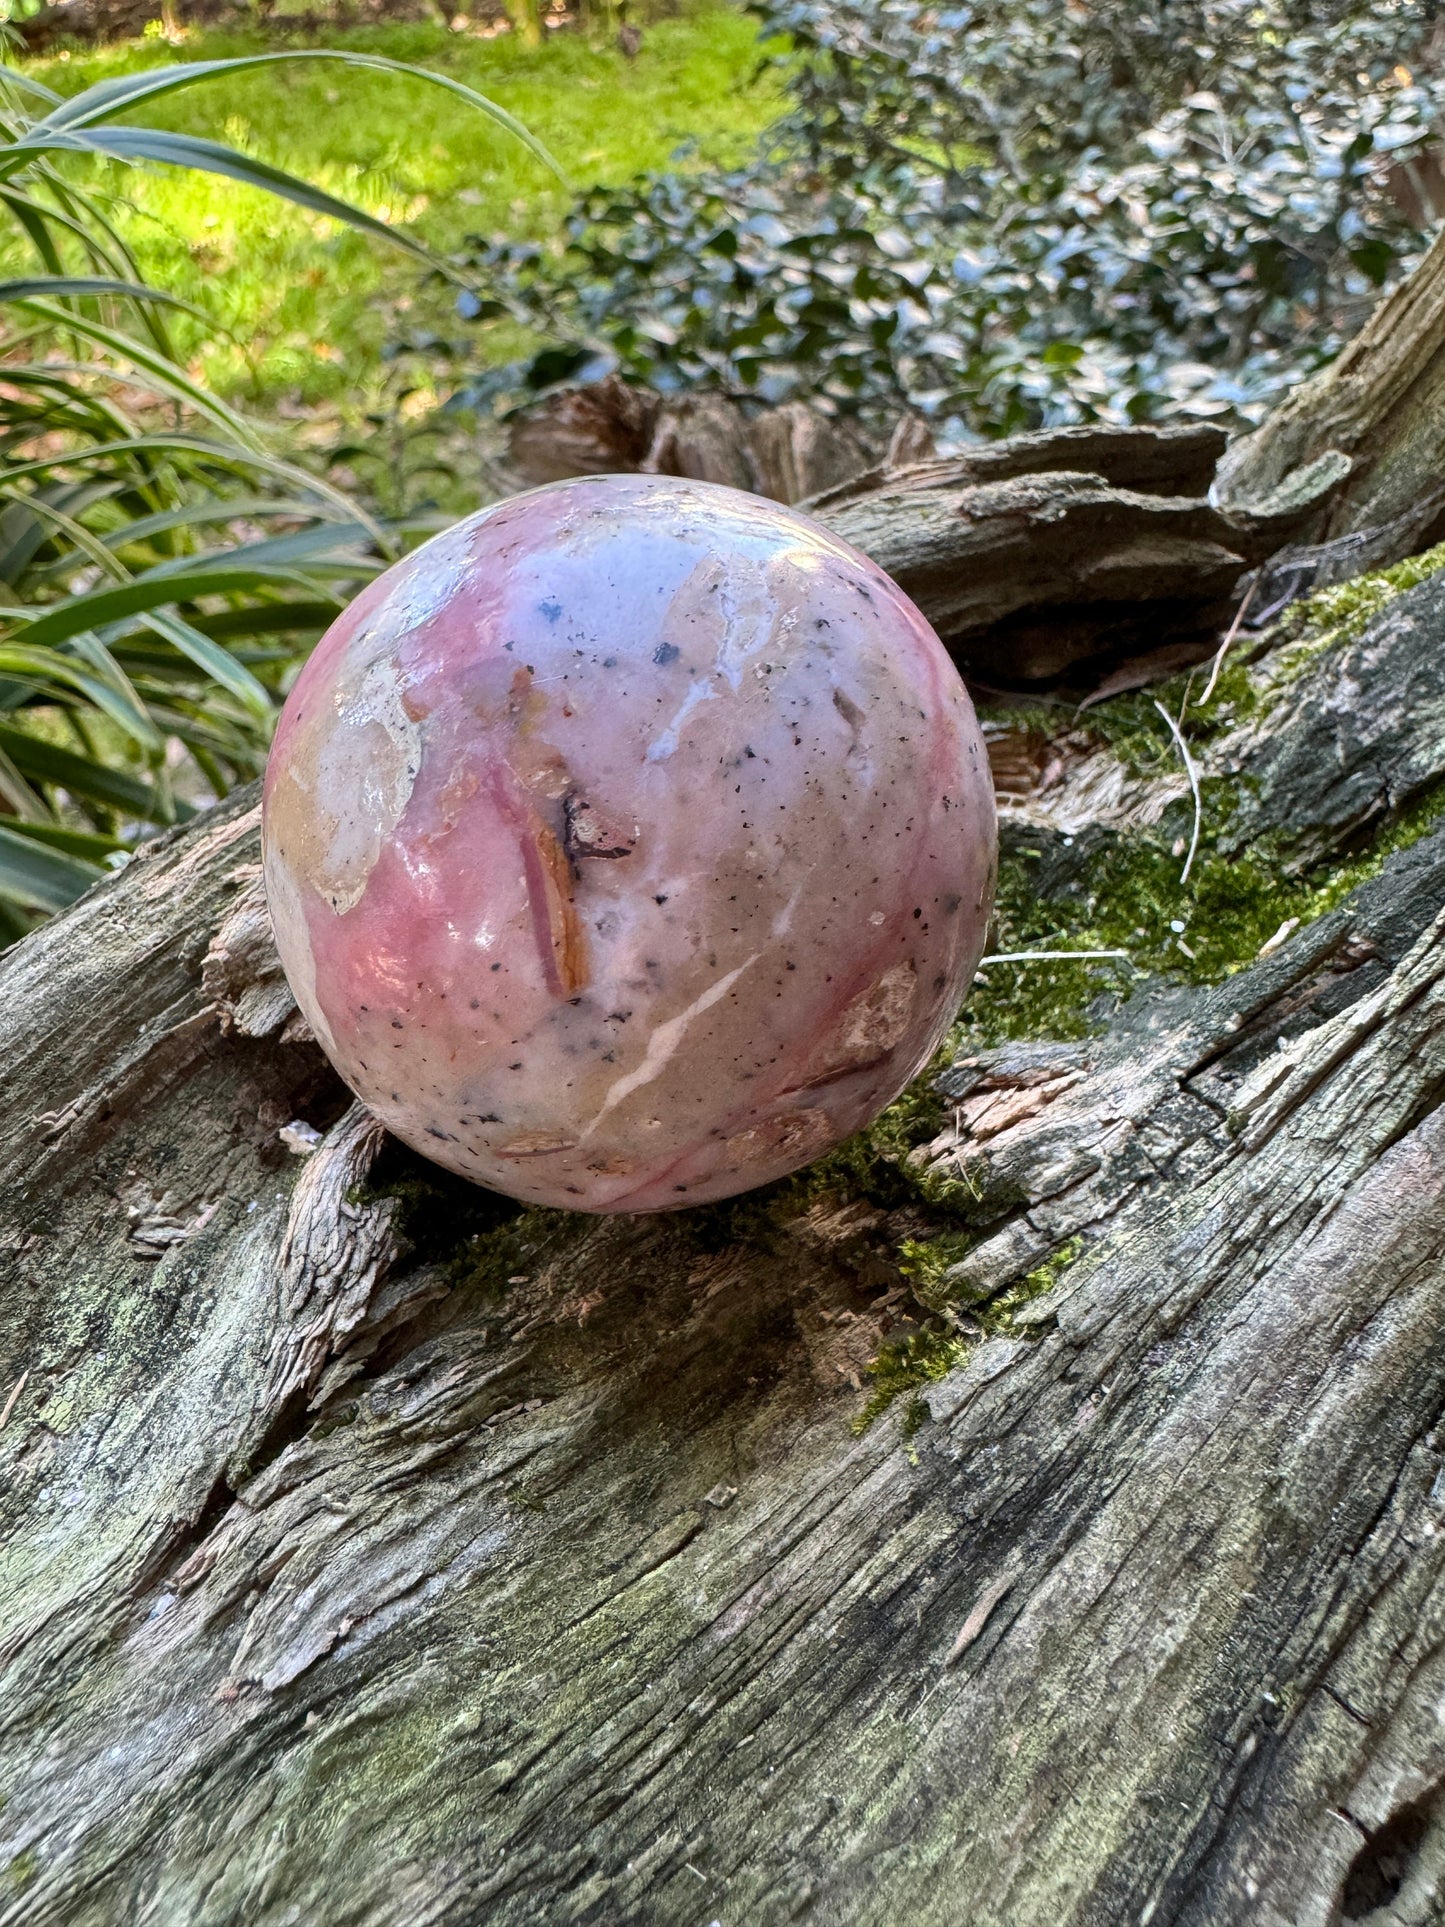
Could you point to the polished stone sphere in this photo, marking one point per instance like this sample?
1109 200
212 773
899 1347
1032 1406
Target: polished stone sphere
630 844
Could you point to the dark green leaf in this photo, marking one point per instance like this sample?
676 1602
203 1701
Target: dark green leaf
41 879
44 762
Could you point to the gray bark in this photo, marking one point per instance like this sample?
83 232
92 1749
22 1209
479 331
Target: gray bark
374 1552
1378 414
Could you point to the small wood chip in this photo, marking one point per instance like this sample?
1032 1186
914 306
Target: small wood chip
969 1631
1280 937
15 1390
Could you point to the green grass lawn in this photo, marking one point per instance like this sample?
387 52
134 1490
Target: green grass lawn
302 308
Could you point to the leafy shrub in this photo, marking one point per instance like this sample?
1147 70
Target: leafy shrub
1013 213
160 570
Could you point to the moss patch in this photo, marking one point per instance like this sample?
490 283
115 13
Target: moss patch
1336 616
1121 892
925 1263
22 1870
905 1365
1129 897
489 1260
875 1164
439 1213
999 1316
902 1366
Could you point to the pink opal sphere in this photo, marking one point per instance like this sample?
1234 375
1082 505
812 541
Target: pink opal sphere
630 844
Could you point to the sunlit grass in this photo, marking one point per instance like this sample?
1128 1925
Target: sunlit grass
303 309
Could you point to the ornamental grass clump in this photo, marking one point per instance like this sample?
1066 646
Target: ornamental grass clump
162 568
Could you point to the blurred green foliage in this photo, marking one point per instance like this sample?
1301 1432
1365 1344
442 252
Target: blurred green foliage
1014 213
298 308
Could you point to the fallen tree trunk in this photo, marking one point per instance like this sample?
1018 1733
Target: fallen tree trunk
375 1551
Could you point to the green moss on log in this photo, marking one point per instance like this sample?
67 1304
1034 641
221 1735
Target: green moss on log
21 1871
1337 616
1120 891
489 1261
904 1366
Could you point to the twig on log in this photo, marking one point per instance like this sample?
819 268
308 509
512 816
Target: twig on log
1193 774
1047 956
1234 628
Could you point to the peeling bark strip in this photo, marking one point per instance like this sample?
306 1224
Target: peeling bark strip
361 1552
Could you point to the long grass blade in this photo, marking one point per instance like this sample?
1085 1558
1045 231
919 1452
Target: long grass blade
53 286
275 551
13 77
238 461
217 663
43 762
52 677
220 508
162 372
76 532
92 845
39 878
212 157
125 91
35 222
154 590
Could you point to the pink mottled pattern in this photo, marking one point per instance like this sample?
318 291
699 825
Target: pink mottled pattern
630 844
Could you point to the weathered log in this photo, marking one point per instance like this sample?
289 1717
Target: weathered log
1031 578
1044 561
1177 460
374 1551
600 428
1379 412
1038 575
1338 739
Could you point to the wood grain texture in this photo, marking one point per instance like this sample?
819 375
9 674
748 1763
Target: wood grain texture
1050 558
1379 408
375 1552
